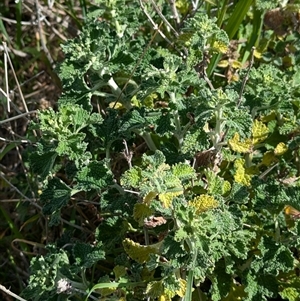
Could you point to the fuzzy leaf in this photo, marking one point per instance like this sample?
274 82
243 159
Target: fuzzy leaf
43 163
239 193
221 283
241 175
203 203
291 288
216 184
131 177
140 212
183 171
238 146
95 175
86 255
167 197
154 289
274 257
119 271
280 149
260 287
45 273
268 158
55 196
139 252
259 132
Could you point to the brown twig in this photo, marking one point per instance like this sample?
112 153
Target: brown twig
164 18
19 192
157 28
15 76
18 116
40 31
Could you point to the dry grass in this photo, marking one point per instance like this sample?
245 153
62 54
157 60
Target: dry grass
31 33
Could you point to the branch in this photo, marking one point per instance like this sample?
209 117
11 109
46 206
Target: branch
4 289
175 12
164 19
157 28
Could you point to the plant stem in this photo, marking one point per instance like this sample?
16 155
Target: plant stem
149 141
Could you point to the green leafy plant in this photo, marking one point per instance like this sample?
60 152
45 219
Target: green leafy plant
178 188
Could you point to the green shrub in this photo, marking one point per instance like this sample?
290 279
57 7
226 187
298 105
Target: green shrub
187 183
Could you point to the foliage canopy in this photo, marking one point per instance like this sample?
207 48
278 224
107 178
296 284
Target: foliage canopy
187 174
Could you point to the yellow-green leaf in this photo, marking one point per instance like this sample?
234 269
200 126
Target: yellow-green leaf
241 147
259 132
223 64
220 46
269 117
280 149
203 203
140 212
240 173
107 291
181 292
164 297
167 197
154 289
268 158
226 187
140 253
236 64
119 271
257 54
236 293
149 197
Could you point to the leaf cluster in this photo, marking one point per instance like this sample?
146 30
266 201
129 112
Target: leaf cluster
186 183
